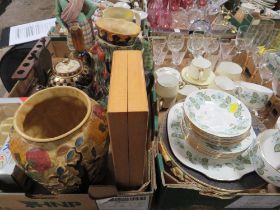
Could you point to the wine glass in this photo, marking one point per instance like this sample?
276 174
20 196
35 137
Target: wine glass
266 74
240 40
175 41
211 44
195 44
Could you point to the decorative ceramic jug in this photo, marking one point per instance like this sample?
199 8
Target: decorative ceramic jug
60 138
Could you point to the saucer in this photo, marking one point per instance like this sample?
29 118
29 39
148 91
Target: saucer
222 170
186 77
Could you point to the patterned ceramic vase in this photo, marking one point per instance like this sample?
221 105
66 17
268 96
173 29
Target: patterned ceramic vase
60 139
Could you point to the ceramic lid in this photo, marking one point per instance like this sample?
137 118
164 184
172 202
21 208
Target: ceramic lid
67 67
118 26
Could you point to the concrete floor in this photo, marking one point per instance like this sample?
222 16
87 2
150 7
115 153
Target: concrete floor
23 11
16 12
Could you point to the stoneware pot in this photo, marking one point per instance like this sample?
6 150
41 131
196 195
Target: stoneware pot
60 139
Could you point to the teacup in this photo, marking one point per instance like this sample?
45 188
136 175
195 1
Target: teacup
252 95
200 69
264 155
167 86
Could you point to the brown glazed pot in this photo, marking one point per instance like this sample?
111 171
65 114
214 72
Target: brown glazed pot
59 138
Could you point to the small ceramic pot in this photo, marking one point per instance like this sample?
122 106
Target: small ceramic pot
252 95
69 72
60 138
230 70
262 154
200 69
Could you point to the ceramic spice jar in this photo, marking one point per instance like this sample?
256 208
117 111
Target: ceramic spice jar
60 138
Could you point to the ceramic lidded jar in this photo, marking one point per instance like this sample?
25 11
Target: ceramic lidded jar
60 138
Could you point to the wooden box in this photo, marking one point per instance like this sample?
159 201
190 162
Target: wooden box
128 117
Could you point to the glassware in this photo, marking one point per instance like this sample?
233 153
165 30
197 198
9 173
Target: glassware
276 83
211 44
195 44
178 56
175 41
240 40
160 57
186 3
201 25
226 49
165 19
154 9
178 19
266 74
174 5
158 44
194 14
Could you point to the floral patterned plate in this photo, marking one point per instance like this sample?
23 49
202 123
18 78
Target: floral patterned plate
222 170
217 113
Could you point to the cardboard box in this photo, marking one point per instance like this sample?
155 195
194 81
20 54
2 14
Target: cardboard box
171 194
99 197
8 107
128 117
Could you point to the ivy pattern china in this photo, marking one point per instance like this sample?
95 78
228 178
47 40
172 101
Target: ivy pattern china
216 150
217 113
242 146
253 95
260 160
222 170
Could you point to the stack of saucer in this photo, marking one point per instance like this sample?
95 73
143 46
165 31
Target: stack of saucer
218 124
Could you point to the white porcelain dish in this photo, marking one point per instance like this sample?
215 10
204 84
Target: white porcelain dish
217 113
222 170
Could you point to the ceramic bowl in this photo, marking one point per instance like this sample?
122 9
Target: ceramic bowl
265 156
253 95
117 31
229 69
217 114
